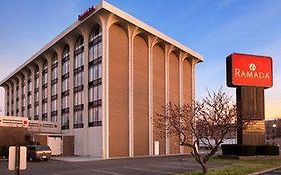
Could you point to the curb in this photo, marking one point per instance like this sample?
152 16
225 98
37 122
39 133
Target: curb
120 158
265 171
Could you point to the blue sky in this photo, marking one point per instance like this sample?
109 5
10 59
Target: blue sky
215 29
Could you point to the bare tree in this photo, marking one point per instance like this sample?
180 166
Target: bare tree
207 121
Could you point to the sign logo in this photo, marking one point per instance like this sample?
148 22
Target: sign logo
249 70
87 13
252 67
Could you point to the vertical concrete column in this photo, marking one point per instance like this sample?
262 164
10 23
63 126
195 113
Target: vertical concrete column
49 86
193 62
26 93
6 88
71 84
86 35
40 65
20 95
167 88
105 86
131 34
59 71
181 59
15 96
10 84
150 92
33 91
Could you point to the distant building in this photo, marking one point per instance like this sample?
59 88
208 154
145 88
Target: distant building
101 80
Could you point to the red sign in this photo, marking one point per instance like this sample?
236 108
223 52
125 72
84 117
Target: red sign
86 13
249 70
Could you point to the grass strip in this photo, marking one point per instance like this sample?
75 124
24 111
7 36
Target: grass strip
238 167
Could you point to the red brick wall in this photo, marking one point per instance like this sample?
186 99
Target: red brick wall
141 145
118 92
174 94
159 89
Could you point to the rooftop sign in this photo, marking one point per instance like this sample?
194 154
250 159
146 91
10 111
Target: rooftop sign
84 15
249 70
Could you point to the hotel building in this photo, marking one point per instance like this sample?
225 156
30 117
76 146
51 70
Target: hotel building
101 80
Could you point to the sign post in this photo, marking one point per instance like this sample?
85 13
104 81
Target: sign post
250 74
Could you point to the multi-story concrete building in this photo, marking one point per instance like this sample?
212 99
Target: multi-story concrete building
101 80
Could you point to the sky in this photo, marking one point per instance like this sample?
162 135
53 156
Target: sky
215 29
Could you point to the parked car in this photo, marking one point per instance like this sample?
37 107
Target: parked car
38 152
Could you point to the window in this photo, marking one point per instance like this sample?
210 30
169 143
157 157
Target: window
95 44
29 99
54 89
36 96
55 59
65 67
36 82
45 78
64 102
54 73
65 53
65 83
78 119
29 88
44 117
23 102
95 72
44 93
79 60
54 105
28 113
22 111
78 81
36 110
78 53
95 93
78 98
44 108
23 88
54 66
37 71
65 121
17 91
95 116
54 118
45 73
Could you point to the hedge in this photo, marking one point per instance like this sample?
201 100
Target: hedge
249 150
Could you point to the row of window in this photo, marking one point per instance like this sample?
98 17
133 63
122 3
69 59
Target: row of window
95 90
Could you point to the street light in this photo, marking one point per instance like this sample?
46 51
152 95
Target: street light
273 130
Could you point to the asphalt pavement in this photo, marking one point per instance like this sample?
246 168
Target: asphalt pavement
135 166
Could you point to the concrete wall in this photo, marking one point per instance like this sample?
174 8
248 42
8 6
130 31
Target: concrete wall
95 141
79 142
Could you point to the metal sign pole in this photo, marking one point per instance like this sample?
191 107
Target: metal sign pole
17 159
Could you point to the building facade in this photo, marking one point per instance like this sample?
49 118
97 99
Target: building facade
101 80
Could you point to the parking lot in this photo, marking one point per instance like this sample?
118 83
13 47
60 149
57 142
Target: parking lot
136 166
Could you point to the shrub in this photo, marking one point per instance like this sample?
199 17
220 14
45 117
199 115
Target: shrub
267 150
229 149
238 150
249 150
